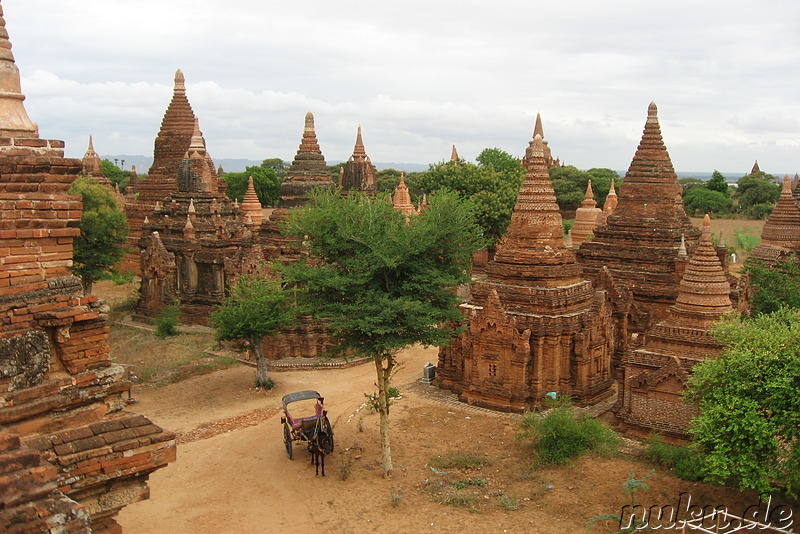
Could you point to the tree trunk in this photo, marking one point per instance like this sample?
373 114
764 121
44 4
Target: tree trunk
261 363
384 373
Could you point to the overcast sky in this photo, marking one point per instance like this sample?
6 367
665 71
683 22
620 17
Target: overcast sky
420 76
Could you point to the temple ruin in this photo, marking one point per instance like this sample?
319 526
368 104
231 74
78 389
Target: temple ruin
654 373
63 411
535 324
639 242
358 174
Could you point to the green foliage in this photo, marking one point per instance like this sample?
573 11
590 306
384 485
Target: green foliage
691 183
265 181
775 287
336 170
278 165
687 462
167 321
121 277
563 434
104 230
566 225
387 179
699 201
755 194
718 182
749 400
116 175
492 186
570 184
373 400
745 239
461 484
255 308
459 460
630 487
383 282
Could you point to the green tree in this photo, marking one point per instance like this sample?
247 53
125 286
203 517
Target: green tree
754 191
775 287
691 183
278 165
265 181
104 229
569 184
255 308
384 282
718 182
492 187
699 201
116 175
335 170
387 179
749 400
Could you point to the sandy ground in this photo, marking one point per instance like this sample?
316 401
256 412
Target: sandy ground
232 474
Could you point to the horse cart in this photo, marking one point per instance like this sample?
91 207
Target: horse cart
314 428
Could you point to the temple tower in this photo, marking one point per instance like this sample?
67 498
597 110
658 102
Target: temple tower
549 161
93 165
536 325
63 425
654 374
358 174
611 202
401 198
454 154
639 242
780 236
587 217
308 170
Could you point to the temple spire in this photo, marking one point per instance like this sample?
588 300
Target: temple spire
251 206
359 152
401 199
537 128
14 120
454 154
755 168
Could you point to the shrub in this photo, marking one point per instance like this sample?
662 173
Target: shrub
686 462
562 434
167 321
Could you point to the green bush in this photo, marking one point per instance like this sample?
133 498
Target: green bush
561 434
167 321
686 462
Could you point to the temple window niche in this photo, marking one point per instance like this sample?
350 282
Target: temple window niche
492 370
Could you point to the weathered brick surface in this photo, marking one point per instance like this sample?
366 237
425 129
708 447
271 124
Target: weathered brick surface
58 390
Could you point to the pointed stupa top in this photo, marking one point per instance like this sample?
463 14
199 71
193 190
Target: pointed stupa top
14 120
308 170
188 225
588 199
192 209
251 206
220 170
401 199
454 154
682 248
782 228
180 81
587 217
704 291
359 152
537 128
92 164
534 248
611 201
197 143
755 168
721 240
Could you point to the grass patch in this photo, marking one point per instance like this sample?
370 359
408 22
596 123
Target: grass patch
459 499
686 462
562 434
508 502
456 460
461 484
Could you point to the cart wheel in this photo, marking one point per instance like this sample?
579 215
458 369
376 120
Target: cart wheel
328 430
287 440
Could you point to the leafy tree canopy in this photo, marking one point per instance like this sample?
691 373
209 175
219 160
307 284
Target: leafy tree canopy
116 175
569 184
699 201
774 287
492 186
104 229
718 182
265 181
255 308
755 190
749 399
691 183
278 165
387 180
384 281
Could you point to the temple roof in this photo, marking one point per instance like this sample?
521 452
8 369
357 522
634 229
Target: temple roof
308 170
782 229
14 120
401 198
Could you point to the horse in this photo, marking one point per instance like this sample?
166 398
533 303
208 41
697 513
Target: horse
319 445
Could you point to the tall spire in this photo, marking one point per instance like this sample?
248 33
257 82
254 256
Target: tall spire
308 170
358 174
587 217
359 152
93 165
251 206
14 120
197 143
537 128
755 168
454 154
611 201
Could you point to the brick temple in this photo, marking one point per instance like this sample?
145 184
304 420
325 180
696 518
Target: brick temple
358 174
535 323
640 240
780 236
68 448
653 374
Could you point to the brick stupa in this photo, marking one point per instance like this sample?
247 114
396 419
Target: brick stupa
550 162
587 217
308 170
780 236
93 165
536 325
358 174
171 144
654 375
401 197
639 242
64 430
